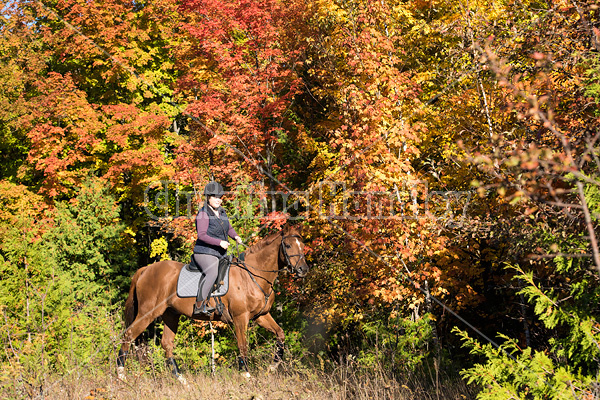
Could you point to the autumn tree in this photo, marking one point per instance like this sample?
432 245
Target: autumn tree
93 94
368 215
240 81
536 179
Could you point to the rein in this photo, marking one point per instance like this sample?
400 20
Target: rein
252 275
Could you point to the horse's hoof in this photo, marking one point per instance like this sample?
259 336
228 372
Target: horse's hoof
246 375
182 380
121 374
274 367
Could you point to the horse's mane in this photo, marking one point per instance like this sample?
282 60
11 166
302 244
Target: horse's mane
264 242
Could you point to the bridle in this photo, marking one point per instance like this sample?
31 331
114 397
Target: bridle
288 258
288 262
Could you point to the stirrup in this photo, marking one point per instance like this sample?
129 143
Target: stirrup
203 309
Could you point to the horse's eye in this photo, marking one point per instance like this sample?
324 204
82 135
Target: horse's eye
287 246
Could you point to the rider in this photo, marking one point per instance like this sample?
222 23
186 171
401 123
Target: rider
213 227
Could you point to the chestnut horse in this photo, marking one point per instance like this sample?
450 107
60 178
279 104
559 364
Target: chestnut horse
153 294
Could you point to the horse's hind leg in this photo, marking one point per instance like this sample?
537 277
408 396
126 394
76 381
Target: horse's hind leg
134 330
171 323
267 322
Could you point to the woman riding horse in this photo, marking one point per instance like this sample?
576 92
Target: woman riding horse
213 227
153 294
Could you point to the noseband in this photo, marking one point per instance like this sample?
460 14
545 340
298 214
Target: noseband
288 257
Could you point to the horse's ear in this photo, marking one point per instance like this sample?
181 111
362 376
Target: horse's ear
292 227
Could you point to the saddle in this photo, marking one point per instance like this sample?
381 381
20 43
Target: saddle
191 275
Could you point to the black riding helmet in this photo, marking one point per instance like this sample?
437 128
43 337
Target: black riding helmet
213 188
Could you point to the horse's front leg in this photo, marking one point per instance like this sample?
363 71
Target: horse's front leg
171 323
240 323
267 322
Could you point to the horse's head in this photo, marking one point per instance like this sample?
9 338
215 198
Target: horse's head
292 251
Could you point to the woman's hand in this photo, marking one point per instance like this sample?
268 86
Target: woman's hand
224 244
239 240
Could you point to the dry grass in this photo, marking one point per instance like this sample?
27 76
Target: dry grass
340 384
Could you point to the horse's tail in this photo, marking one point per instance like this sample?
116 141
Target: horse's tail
131 304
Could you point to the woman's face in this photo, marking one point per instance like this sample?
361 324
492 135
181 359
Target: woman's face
215 202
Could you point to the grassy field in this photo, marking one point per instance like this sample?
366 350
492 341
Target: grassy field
343 382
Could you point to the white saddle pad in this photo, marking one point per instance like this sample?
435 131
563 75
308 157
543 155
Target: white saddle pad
187 283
